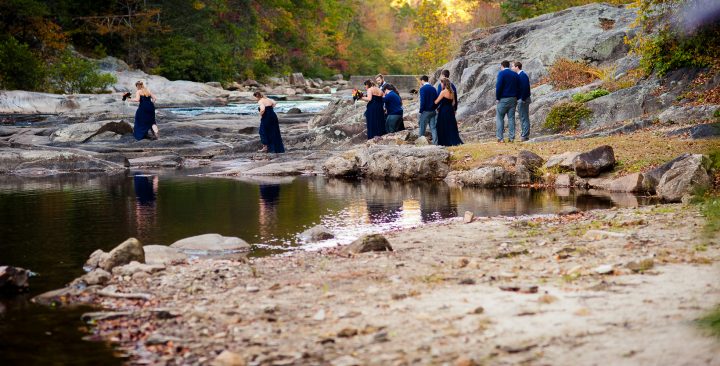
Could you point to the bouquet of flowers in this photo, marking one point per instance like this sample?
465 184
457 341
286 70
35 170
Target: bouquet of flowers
126 96
357 94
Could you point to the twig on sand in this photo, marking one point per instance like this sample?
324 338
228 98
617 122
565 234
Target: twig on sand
119 295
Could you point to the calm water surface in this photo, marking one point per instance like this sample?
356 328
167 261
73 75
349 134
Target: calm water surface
51 225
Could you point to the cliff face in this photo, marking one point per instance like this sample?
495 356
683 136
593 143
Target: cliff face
594 33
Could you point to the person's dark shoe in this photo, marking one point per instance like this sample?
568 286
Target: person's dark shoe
500 141
524 139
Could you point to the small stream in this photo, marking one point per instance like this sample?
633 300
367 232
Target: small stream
51 225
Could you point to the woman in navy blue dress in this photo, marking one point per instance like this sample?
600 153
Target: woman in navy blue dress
447 130
269 125
374 113
145 126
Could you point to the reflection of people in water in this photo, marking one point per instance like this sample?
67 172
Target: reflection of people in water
384 202
435 202
269 197
146 189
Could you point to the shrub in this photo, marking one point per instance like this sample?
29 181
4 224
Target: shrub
73 74
585 97
566 116
567 74
19 67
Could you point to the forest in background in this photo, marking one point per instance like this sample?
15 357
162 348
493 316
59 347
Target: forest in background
223 40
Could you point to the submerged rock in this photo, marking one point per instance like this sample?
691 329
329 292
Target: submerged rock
316 233
211 243
14 279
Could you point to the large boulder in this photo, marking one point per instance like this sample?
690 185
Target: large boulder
629 183
128 251
211 243
14 279
346 166
594 162
562 161
651 179
484 177
392 163
684 177
83 132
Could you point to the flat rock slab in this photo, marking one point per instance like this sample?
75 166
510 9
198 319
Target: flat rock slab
160 161
297 167
162 254
211 243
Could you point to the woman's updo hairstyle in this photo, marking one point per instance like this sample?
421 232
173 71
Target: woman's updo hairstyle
369 83
258 94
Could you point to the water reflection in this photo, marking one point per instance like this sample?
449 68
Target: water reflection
267 215
146 190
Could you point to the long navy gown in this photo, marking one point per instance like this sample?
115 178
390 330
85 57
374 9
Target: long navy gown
375 117
270 131
447 130
144 118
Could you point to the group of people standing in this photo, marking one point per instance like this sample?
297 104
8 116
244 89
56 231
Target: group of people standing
512 90
384 112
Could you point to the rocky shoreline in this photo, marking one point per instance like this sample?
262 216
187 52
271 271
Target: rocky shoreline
551 289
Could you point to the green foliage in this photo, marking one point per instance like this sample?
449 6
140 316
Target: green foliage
72 74
716 114
566 116
711 322
664 46
19 67
585 97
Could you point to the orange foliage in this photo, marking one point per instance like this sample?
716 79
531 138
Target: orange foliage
566 74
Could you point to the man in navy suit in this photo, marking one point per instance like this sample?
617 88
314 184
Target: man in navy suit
427 108
523 105
380 81
507 91
445 74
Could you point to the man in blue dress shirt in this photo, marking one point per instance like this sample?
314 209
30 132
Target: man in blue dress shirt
427 108
507 91
523 105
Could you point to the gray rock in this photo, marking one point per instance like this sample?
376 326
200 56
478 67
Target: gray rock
211 243
294 110
685 113
562 161
342 166
684 177
128 251
251 82
214 84
594 162
162 254
629 183
95 258
704 131
337 77
530 160
485 177
56 297
422 141
134 267
370 243
161 161
97 276
297 79
50 162
652 177
564 180
14 279
316 233
394 163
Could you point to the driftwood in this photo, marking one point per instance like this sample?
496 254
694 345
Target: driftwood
120 295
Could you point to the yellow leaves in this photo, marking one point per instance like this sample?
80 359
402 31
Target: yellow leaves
198 5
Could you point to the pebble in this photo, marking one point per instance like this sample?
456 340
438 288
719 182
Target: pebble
468 218
604 269
249 288
320 315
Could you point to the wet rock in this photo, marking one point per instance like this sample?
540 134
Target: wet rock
165 255
316 233
485 177
134 267
128 251
370 243
50 162
629 183
684 177
562 161
14 279
287 168
594 162
294 110
161 161
211 243
227 358
95 258
56 297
